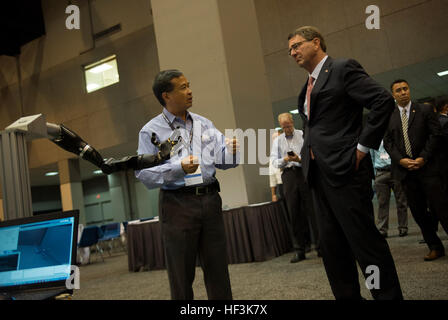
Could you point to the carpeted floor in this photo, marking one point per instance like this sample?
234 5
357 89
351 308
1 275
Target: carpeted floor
276 279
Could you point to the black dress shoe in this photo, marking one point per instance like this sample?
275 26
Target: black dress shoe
298 256
434 254
403 233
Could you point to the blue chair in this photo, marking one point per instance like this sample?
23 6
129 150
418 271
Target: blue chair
111 232
125 225
90 237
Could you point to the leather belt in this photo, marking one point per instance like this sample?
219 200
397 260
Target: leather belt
199 190
384 169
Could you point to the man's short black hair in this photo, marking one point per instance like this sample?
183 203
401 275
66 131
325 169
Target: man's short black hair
162 83
398 81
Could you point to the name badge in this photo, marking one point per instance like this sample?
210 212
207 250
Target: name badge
194 178
384 156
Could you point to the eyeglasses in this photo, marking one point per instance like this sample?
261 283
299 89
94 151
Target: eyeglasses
296 46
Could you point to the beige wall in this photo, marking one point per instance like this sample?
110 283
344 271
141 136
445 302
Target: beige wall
2 216
219 51
106 118
248 85
410 32
60 44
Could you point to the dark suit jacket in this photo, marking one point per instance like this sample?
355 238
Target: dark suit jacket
443 164
424 133
335 127
444 124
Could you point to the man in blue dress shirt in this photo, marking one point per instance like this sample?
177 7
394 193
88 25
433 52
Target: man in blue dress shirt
384 184
189 203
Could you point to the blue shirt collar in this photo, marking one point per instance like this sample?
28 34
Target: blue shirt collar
171 117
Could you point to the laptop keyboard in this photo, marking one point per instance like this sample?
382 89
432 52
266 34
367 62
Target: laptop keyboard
40 294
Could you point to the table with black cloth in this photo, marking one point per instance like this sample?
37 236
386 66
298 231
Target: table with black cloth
254 233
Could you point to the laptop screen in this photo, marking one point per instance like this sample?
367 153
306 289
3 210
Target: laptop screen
37 251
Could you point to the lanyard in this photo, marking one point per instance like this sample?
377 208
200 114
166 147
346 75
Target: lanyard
174 129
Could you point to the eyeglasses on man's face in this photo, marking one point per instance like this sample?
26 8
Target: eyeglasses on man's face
294 47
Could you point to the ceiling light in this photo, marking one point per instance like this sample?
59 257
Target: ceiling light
278 128
100 68
51 173
92 86
443 73
98 172
295 111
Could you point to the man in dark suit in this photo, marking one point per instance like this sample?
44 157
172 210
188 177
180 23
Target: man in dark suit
335 164
412 141
442 110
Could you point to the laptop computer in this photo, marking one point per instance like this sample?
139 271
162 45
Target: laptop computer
36 255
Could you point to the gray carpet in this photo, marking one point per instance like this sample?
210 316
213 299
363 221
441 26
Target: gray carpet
276 279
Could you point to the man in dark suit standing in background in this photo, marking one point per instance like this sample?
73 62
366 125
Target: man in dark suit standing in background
442 110
413 141
335 164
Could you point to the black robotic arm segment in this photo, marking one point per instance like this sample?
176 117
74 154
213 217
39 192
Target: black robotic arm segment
142 161
71 142
137 162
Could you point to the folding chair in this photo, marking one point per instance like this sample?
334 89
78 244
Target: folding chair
89 238
111 232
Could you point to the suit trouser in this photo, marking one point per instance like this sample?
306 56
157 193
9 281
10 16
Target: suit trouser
191 225
300 208
383 186
425 192
279 191
347 230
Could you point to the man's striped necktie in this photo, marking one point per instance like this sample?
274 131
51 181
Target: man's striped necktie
404 125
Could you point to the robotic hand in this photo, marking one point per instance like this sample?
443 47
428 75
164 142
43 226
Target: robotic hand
70 141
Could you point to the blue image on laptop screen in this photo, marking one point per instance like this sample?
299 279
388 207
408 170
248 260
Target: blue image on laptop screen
35 253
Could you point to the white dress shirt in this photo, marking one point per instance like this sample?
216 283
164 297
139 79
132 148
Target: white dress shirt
314 74
408 109
280 147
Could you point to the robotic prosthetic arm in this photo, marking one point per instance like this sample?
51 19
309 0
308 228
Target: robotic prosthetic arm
71 142
142 161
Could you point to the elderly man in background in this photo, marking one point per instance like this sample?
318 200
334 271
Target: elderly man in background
285 155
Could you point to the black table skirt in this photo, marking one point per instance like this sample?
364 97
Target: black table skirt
254 233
